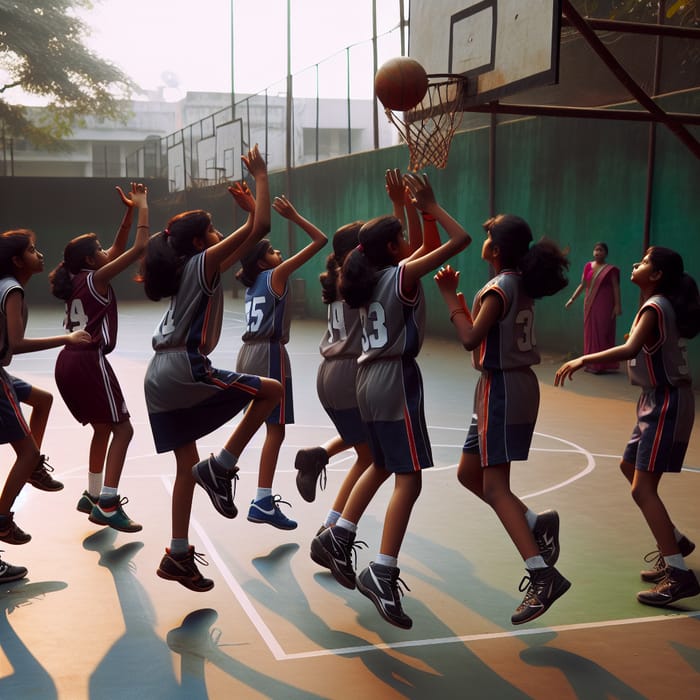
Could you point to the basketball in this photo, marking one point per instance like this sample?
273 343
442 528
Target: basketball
401 83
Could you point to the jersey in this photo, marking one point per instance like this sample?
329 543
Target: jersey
665 363
8 285
393 325
267 314
510 343
90 311
344 336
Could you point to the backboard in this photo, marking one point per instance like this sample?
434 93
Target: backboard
500 46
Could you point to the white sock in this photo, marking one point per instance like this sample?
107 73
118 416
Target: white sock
535 563
346 525
94 484
262 493
676 561
226 459
331 518
386 560
531 518
108 492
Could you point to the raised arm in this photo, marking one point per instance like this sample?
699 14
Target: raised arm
120 240
396 189
421 263
137 198
283 271
221 256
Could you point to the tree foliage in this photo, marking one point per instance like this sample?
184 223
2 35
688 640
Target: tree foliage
42 53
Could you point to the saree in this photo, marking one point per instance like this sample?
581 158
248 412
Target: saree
599 322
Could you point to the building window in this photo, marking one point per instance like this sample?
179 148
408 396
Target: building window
106 160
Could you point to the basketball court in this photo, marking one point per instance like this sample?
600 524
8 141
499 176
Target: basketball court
92 619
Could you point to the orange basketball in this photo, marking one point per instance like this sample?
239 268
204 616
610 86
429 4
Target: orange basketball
401 83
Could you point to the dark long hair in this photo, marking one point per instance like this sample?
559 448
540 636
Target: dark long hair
169 250
359 272
542 266
13 244
678 287
74 256
345 240
249 270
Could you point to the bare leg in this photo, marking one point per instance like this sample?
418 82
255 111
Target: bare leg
98 447
407 488
335 446
645 493
362 462
183 489
270 454
363 492
116 456
41 402
27 458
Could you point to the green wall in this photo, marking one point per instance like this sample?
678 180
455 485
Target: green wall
576 181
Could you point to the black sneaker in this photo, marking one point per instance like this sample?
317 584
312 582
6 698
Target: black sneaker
216 481
183 569
543 586
86 503
382 585
546 534
11 573
675 584
41 479
334 548
656 573
10 532
311 464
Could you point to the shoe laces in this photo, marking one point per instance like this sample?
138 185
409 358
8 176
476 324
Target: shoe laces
351 549
43 464
657 558
533 586
322 479
199 558
277 499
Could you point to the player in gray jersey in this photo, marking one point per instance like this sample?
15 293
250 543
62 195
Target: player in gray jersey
383 279
501 336
655 351
186 397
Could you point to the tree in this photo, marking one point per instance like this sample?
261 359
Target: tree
42 53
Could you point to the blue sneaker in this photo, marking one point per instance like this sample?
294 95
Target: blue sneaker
110 512
86 503
267 510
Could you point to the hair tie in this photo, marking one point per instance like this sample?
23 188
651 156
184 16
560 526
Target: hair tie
360 248
166 232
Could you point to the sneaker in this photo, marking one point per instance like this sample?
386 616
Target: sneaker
311 464
675 584
382 585
267 510
216 481
86 503
11 573
656 573
10 532
546 534
183 569
40 477
110 512
543 586
335 548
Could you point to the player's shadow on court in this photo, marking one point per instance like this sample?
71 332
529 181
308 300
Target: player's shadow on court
451 666
29 677
196 641
139 663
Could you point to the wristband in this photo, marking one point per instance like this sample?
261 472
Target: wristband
428 217
456 312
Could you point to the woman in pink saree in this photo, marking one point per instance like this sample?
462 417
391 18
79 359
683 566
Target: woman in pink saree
600 283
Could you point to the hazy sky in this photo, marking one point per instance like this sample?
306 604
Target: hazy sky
192 40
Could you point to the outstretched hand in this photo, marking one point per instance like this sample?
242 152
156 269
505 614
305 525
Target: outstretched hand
135 197
395 187
421 190
567 370
447 279
254 162
284 207
243 196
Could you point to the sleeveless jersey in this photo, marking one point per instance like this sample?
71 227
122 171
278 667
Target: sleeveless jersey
510 343
665 363
267 315
344 335
392 324
194 316
88 310
7 285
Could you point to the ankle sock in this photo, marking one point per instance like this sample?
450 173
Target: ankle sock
179 546
226 459
262 493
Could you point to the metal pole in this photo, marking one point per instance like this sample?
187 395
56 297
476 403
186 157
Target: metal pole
233 72
288 144
375 111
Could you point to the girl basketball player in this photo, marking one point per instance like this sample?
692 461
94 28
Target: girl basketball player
19 261
186 397
657 362
383 281
266 276
506 401
82 280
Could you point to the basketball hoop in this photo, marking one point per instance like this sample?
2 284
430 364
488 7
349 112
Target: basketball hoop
428 128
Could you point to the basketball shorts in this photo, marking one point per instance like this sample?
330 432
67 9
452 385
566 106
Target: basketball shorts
335 385
89 387
13 427
505 412
659 440
391 402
